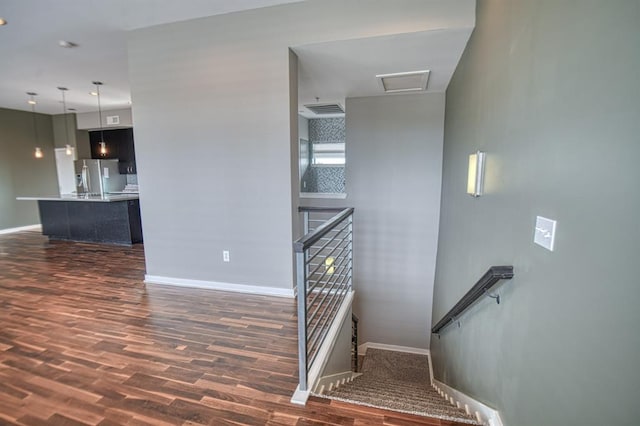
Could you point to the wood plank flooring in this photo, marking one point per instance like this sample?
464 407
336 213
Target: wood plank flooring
83 341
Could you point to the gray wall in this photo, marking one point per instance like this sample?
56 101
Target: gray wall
550 90
394 168
91 120
339 360
213 126
79 139
21 174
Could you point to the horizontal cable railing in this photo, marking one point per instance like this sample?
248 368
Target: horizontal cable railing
324 277
488 280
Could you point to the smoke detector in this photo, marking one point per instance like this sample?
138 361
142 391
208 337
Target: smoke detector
412 81
325 109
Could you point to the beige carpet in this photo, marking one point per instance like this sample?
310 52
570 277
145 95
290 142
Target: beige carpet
398 381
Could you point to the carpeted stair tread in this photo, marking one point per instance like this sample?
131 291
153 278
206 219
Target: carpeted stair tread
398 381
371 393
425 405
393 389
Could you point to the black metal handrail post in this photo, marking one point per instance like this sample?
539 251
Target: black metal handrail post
488 280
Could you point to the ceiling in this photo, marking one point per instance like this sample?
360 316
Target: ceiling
34 61
334 71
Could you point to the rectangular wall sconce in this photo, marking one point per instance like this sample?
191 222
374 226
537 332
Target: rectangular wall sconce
475 179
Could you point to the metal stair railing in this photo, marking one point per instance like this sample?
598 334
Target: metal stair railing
324 265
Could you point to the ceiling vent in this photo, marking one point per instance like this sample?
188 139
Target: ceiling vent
324 109
404 81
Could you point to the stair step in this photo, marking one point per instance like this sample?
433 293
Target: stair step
397 381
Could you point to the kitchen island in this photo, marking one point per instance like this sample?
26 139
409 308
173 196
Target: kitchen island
110 219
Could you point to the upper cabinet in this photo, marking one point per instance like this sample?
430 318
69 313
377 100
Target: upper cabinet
118 144
109 150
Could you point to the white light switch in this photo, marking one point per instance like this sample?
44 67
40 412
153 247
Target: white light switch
545 233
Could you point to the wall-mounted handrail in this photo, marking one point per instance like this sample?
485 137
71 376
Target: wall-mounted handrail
320 209
488 280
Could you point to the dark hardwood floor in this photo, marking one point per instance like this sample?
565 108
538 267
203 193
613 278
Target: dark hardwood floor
84 341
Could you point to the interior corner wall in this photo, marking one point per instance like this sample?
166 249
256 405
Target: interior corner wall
549 89
213 130
21 174
393 174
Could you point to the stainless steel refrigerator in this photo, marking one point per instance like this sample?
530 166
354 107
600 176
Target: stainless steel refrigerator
98 177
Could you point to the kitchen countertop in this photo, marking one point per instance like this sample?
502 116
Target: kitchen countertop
92 198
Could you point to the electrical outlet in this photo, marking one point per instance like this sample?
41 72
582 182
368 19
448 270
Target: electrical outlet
225 255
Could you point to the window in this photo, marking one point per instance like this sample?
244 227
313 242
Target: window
328 154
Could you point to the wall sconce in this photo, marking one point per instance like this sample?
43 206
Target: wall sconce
475 179
38 152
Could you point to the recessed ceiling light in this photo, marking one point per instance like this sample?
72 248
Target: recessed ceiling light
93 93
3 22
404 81
67 44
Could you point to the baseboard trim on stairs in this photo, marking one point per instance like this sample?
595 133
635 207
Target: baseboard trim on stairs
362 349
483 413
20 229
315 369
333 381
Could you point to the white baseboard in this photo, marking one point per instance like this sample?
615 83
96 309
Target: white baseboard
333 381
21 228
483 413
362 349
300 397
213 285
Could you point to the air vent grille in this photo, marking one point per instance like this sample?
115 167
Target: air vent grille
404 81
324 109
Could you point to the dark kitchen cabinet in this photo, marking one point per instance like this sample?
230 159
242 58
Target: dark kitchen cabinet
111 145
119 144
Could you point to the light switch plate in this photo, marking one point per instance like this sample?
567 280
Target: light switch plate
545 232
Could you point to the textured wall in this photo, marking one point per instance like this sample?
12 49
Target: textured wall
325 179
21 174
327 130
549 89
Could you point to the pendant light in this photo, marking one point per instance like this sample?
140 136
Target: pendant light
68 148
32 101
103 145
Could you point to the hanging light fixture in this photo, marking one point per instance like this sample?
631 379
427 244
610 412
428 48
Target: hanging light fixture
68 147
32 101
103 145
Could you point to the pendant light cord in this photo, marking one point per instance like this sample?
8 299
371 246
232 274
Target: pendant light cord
64 115
35 125
100 113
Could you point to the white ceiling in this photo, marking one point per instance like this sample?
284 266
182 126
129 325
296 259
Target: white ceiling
335 70
32 60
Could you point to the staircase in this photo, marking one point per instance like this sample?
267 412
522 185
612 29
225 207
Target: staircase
398 381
